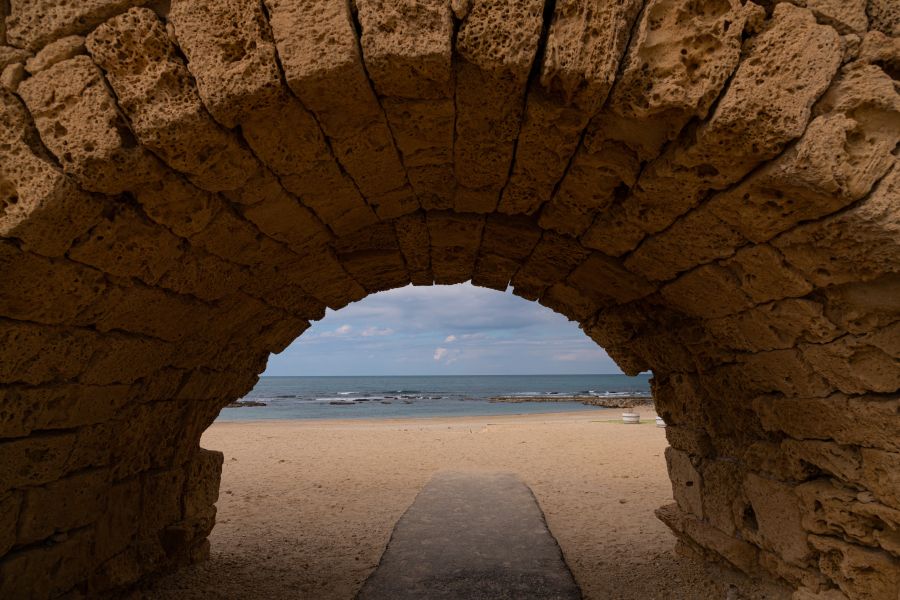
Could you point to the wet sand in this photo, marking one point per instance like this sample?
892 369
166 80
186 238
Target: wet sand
307 507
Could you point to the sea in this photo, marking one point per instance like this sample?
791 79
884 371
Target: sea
392 397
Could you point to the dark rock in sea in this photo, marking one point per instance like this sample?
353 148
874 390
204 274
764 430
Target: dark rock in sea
243 403
343 403
386 402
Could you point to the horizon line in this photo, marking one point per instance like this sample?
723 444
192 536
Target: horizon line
468 375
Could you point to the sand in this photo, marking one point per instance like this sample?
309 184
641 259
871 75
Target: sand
307 507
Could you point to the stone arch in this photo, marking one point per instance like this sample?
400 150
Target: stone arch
709 188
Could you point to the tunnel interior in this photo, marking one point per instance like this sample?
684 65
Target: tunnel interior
710 189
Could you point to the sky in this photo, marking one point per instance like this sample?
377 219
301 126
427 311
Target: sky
442 330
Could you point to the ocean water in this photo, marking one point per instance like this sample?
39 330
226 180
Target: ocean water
429 396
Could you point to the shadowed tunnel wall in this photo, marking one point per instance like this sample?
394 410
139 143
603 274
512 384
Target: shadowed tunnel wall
709 188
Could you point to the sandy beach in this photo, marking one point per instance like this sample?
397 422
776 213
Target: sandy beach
307 507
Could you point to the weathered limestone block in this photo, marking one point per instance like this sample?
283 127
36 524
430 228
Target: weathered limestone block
38 204
454 245
679 57
234 239
35 460
63 505
721 489
856 365
77 118
25 409
204 276
177 204
842 462
868 421
767 104
693 441
505 244
862 242
772 460
843 153
11 76
881 475
373 258
584 45
688 528
884 16
776 371
776 510
202 484
322 276
860 572
694 239
116 527
687 482
408 50
36 354
127 245
296 150
148 311
776 325
156 92
9 516
605 279
125 359
320 55
412 237
879 49
708 291
765 275
55 52
47 290
32 24
281 216
832 509
553 258
231 55
846 17
495 48
23 574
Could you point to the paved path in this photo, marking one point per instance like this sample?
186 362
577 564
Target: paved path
472 536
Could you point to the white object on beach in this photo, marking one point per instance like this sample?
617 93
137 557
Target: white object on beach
660 422
631 418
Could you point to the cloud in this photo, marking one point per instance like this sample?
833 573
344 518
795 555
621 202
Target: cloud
341 331
449 339
439 353
375 331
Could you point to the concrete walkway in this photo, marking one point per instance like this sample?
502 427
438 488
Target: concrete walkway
472 536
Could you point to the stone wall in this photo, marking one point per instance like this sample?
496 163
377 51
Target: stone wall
710 189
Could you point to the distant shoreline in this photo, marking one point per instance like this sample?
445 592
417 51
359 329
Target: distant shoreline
602 401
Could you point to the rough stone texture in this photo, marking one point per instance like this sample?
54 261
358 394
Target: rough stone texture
495 46
710 190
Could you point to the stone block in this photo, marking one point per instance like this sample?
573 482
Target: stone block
678 59
77 118
859 572
55 52
25 409
35 460
737 552
495 48
63 505
708 291
35 24
202 483
36 354
454 245
231 54
24 573
776 510
551 261
126 244
687 482
861 241
10 504
785 69
320 55
584 45
156 92
773 326
868 421
298 153
881 475
412 238
40 206
862 307
117 526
